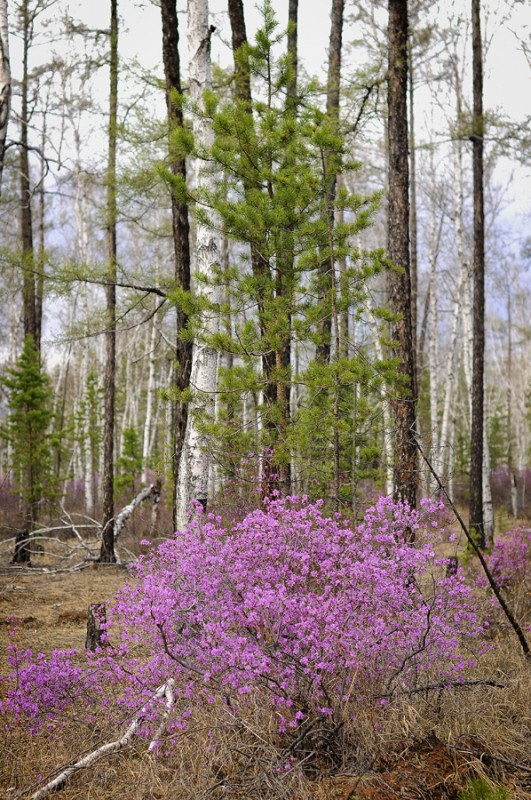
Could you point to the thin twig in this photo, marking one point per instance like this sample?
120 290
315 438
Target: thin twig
447 685
493 585
482 755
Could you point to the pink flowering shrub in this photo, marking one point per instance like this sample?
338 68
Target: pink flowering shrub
510 564
510 558
289 605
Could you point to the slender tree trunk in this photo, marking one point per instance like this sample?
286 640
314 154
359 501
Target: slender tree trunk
273 363
384 392
323 351
242 75
28 256
433 341
293 21
194 464
477 423
39 277
107 553
148 422
285 273
444 457
510 442
5 83
181 237
413 208
404 405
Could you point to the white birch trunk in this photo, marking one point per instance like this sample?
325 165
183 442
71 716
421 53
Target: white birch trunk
467 312
387 421
488 507
5 82
258 426
148 422
433 339
88 455
464 298
451 452
214 477
86 445
194 464
443 460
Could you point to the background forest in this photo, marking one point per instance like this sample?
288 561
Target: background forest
296 315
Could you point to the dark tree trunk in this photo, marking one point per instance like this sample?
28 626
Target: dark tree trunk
22 553
405 468
478 346
293 19
285 272
181 239
96 621
28 281
323 351
39 278
107 553
275 388
242 75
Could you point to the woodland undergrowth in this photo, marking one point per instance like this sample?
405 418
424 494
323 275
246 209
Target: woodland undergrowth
289 649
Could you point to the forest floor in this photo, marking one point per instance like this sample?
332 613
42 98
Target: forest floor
433 746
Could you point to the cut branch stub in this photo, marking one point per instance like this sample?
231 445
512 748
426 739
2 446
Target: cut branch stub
97 617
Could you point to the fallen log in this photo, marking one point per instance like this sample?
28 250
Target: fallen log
166 690
152 491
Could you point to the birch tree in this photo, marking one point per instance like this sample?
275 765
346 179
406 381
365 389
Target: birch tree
195 462
5 83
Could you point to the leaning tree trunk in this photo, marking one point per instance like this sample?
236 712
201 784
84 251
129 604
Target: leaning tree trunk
107 553
404 404
5 83
181 236
195 461
478 349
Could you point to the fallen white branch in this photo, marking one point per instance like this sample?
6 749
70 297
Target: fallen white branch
166 690
165 714
149 491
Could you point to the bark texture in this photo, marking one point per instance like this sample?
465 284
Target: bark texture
5 83
239 44
478 340
107 553
405 467
195 460
324 348
26 217
181 236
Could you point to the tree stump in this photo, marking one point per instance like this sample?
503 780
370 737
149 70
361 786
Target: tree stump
22 553
97 618
452 565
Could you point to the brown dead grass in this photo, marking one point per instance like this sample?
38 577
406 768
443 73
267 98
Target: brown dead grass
422 747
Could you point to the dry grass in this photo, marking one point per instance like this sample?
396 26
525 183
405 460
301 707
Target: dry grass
422 746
